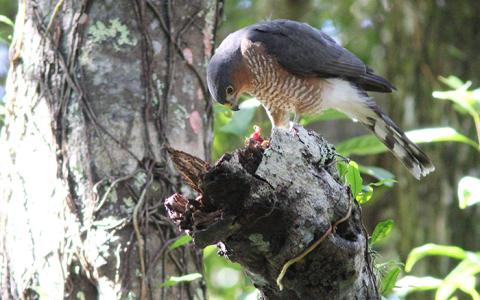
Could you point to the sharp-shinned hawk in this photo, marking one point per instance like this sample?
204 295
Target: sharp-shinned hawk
293 67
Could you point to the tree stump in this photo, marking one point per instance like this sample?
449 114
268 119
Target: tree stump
265 207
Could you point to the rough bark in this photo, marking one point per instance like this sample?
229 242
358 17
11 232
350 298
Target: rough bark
265 207
95 91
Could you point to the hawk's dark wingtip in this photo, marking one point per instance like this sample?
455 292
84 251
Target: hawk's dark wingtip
374 83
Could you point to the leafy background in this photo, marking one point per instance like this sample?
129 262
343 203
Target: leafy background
424 235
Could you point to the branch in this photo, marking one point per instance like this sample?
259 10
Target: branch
282 213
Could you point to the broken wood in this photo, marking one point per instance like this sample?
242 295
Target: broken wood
280 211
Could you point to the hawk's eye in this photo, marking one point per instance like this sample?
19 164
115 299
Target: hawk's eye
229 90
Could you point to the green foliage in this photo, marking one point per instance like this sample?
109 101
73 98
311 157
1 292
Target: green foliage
440 134
389 280
370 144
240 120
180 241
222 141
410 284
353 178
465 101
363 193
361 145
174 280
468 191
6 30
6 20
231 128
8 9
465 274
225 280
463 277
381 231
386 177
329 114
433 250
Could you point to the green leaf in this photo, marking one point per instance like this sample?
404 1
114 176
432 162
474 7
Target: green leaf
389 280
440 134
432 249
462 277
353 178
452 81
365 195
329 114
461 96
174 280
240 122
342 168
180 241
362 145
409 284
381 231
370 144
381 174
468 191
386 182
6 20
219 108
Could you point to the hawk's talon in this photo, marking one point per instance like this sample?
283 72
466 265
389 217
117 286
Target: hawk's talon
265 144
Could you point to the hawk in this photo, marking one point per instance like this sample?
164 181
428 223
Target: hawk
293 67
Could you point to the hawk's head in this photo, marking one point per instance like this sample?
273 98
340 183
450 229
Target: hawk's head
226 73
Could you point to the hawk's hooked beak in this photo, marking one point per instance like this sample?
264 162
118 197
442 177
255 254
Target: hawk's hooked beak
231 106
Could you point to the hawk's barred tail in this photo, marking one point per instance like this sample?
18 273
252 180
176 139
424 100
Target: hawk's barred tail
354 102
414 159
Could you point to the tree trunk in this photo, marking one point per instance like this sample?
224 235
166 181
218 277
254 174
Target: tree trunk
95 91
286 218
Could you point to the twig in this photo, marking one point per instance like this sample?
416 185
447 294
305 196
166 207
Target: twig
179 51
114 183
138 235
329 231
54 14
368 259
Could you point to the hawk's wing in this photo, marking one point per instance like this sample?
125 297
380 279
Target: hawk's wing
306 51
